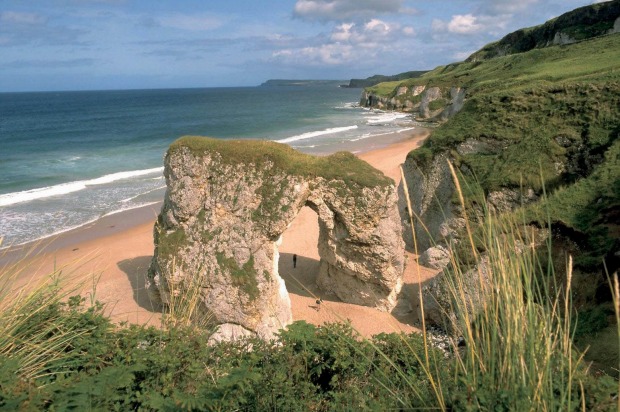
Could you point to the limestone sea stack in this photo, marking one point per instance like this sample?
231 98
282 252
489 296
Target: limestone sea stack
226 207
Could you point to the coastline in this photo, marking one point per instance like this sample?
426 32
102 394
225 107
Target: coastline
118 248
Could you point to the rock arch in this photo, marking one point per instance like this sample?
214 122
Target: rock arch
226 207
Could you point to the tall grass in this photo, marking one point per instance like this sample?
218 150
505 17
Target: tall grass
515 321
183 303
35 331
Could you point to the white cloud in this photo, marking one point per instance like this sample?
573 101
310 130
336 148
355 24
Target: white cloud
372 32
342 32
464 24
409 31
339 10
191 23
471 24
347 43
326 54
377 26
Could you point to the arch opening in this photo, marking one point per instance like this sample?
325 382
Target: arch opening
301 239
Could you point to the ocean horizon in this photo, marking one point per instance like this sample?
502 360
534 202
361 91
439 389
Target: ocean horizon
70 158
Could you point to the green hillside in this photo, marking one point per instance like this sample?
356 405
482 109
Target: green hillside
593 60
579 24
379 78
549 113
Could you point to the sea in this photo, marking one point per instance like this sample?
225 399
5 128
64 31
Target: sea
70 158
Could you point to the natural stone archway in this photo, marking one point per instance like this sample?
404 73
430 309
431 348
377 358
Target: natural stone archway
227 205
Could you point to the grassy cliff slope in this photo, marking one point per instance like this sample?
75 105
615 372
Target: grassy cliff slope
378 78
553 116
576 25
550 118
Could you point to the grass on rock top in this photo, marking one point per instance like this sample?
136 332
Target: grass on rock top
338 166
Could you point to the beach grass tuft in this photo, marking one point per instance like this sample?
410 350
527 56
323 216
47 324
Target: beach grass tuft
41 317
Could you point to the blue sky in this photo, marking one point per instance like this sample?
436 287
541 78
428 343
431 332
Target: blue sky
129 44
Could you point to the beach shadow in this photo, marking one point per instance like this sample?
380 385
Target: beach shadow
408 308
301 280
136 270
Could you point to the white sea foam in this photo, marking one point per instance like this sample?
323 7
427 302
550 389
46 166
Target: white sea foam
65 188
50 235
309 135
382 118
132 207
369 135
129 199
350 105
73 227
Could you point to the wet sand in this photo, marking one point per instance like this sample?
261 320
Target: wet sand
117 251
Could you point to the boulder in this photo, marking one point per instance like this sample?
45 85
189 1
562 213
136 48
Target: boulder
438 295
436 257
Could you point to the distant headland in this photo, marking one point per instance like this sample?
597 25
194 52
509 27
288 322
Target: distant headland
285 82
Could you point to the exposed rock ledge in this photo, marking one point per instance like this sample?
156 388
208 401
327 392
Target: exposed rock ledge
426 103
227 205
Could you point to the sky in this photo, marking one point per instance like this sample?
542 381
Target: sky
48 45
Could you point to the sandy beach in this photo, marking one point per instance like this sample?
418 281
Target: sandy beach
117 249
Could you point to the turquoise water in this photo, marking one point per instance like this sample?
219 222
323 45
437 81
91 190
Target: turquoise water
69 158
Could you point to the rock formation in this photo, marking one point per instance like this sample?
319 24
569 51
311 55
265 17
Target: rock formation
226 207
430 191
426 103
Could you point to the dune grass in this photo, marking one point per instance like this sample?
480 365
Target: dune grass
517 325
183 306
34 331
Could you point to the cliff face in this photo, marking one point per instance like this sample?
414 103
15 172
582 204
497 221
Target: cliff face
430 190
229 202
426 103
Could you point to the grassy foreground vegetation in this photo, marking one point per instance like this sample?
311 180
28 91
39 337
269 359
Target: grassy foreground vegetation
518 355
